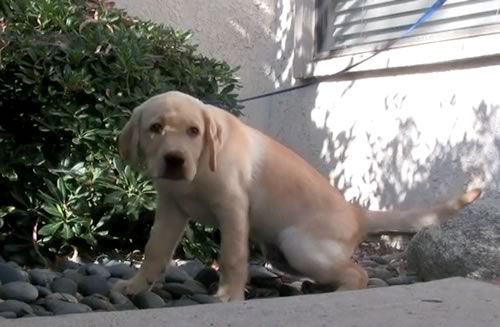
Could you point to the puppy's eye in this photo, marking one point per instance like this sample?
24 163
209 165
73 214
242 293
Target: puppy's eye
156 128
193 131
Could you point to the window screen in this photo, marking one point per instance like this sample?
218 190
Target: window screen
362 25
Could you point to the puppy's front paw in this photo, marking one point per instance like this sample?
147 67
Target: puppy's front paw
224 295
133 286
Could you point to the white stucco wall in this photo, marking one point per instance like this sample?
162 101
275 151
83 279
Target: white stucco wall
386 141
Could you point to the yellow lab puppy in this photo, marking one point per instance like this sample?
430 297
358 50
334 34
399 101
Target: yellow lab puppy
209 166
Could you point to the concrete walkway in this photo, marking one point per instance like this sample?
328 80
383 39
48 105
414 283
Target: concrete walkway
454 302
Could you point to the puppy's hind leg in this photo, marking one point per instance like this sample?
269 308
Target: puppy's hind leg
349 276
341 275
326 261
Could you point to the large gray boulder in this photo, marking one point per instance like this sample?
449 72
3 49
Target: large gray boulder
465 246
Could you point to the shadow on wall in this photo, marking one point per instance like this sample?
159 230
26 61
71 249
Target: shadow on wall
399 179
279 115
396 170
276 67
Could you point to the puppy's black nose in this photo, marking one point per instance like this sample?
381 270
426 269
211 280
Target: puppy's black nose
174 160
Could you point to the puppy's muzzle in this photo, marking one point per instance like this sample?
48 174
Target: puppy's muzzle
174 166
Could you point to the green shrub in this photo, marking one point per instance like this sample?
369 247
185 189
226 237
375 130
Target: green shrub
71 71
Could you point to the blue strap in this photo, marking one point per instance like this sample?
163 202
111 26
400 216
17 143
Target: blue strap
428 13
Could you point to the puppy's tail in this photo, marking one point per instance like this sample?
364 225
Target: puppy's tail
411 221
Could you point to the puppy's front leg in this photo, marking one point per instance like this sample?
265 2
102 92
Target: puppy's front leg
167 230
234 228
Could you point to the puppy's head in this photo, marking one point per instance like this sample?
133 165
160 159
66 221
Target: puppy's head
172 134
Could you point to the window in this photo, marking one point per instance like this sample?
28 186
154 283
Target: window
345 28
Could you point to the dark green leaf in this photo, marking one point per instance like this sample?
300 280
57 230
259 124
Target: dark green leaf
66 232
50 229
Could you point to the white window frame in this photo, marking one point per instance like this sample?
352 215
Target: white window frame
308 64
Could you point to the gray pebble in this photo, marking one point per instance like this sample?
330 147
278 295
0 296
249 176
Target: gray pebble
289 290
266 292
61 307
120 301
121 271
61 297
38 310
164 294
20 308
98 302
309 287
39 301
395 256
98 270
204 299
368 263
118 298
41 277
113 280
148 300
110 285
209 277
297 284
8 315
196 286
73 275
82 270
260 272
378 259
64 285
401 280
380 273
184 302
68 264
11 274
176 275
187 288
43 291
125 307
377 282
29 315
21 291
267 282
14 265
192 267
94 284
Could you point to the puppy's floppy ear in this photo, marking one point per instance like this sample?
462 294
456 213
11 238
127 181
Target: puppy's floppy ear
128 141
213 137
